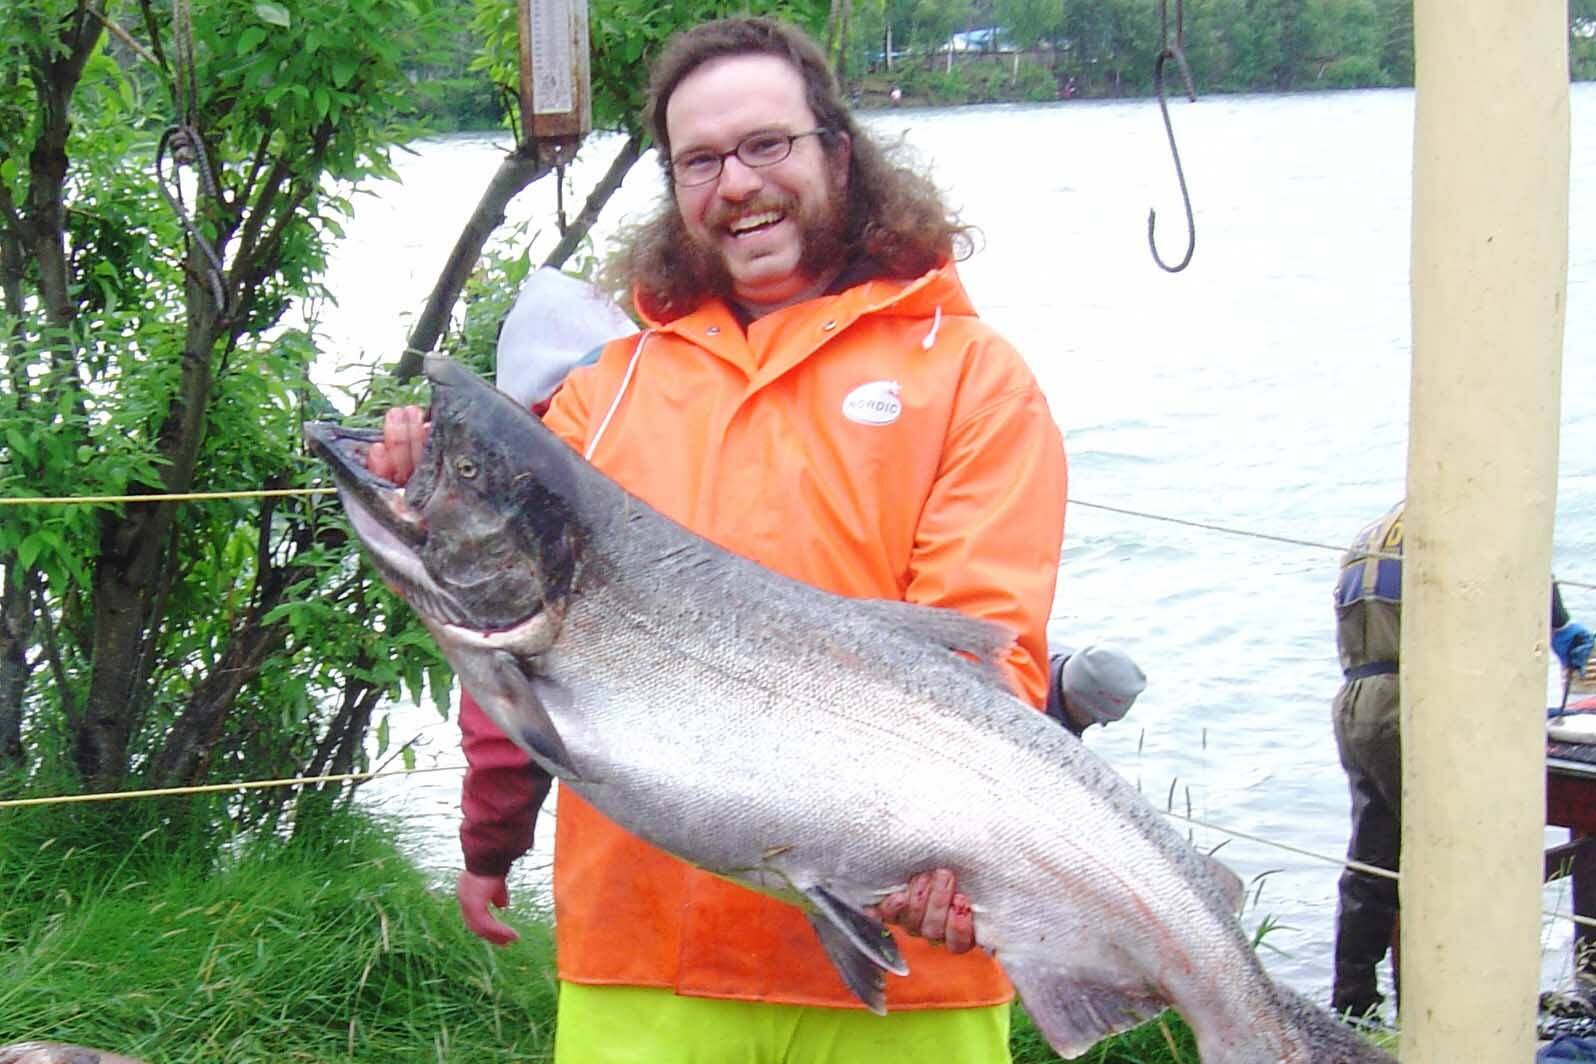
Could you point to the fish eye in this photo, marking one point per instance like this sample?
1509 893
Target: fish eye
466 468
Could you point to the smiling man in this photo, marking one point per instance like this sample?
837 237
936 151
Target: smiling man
812 390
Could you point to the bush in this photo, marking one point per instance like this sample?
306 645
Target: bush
449 105
1353 72
1036 84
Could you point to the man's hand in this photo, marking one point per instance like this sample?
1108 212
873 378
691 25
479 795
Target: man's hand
476 893
931 907
1572 644
404 434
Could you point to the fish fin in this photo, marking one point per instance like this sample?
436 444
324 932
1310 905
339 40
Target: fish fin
858 971
517 706
1073 1010
1231 888
869 935
858 944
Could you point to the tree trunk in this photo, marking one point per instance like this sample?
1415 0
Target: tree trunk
338 750
630 152
16 631
131 575
839 64
186 754
36 233
834 23
519 169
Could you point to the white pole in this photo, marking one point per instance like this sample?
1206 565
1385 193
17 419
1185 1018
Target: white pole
1490 248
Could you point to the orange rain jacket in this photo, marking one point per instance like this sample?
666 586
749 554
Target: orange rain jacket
881 442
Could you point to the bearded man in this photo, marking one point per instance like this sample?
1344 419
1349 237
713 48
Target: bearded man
812 390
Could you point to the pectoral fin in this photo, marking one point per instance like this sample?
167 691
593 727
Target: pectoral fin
515 701
858 944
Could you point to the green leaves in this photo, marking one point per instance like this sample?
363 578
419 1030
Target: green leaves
275 14
118 381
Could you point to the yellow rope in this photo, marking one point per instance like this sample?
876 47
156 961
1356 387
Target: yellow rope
214 788
1357 866
192 496
345 777
206 496
352 776
202 496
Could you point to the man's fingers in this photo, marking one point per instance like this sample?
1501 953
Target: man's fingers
930 906
486 927
404 435
890 909
475 894
938 898
915 894
418 436
960 936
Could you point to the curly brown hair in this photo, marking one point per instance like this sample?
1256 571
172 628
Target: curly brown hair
895 217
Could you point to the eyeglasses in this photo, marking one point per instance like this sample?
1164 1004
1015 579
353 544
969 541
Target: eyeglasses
767 147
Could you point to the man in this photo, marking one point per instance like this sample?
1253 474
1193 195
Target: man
1094 685
1368 602
559 322
814 391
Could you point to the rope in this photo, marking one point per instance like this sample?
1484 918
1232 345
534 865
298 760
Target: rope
349 777
216 788
205 496
1206 526
1357 866
356 776
190 496
201 496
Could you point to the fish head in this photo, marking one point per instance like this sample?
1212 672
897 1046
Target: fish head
478 538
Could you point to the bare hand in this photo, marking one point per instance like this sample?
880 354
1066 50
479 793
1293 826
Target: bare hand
931 907
404 434
475 894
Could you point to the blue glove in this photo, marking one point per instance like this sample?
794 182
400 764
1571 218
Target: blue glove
1572 644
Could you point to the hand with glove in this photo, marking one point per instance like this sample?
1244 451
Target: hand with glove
1572 643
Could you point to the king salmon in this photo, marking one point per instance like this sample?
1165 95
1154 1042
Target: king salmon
817 748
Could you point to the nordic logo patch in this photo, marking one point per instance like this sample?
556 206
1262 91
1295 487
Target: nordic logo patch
876 403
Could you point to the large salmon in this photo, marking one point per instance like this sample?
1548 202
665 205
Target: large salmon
817 748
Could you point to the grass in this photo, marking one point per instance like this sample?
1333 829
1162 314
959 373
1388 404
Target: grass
1166 1040
332 949
120 932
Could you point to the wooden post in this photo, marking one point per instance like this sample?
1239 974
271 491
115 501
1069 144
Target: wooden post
556 98
1490 247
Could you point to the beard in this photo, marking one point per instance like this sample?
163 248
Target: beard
699 269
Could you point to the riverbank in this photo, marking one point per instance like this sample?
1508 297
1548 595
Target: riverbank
120 935
115 934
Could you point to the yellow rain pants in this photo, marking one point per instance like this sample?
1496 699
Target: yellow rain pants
645 1025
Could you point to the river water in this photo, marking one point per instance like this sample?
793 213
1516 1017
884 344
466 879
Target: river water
1264 390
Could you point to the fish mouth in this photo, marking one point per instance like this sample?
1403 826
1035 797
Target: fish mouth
393 533
375 499
392 527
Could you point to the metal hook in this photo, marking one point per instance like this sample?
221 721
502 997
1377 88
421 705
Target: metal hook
1177 52
187 147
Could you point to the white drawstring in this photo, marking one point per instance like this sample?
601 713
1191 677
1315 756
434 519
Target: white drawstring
936 323
626 382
